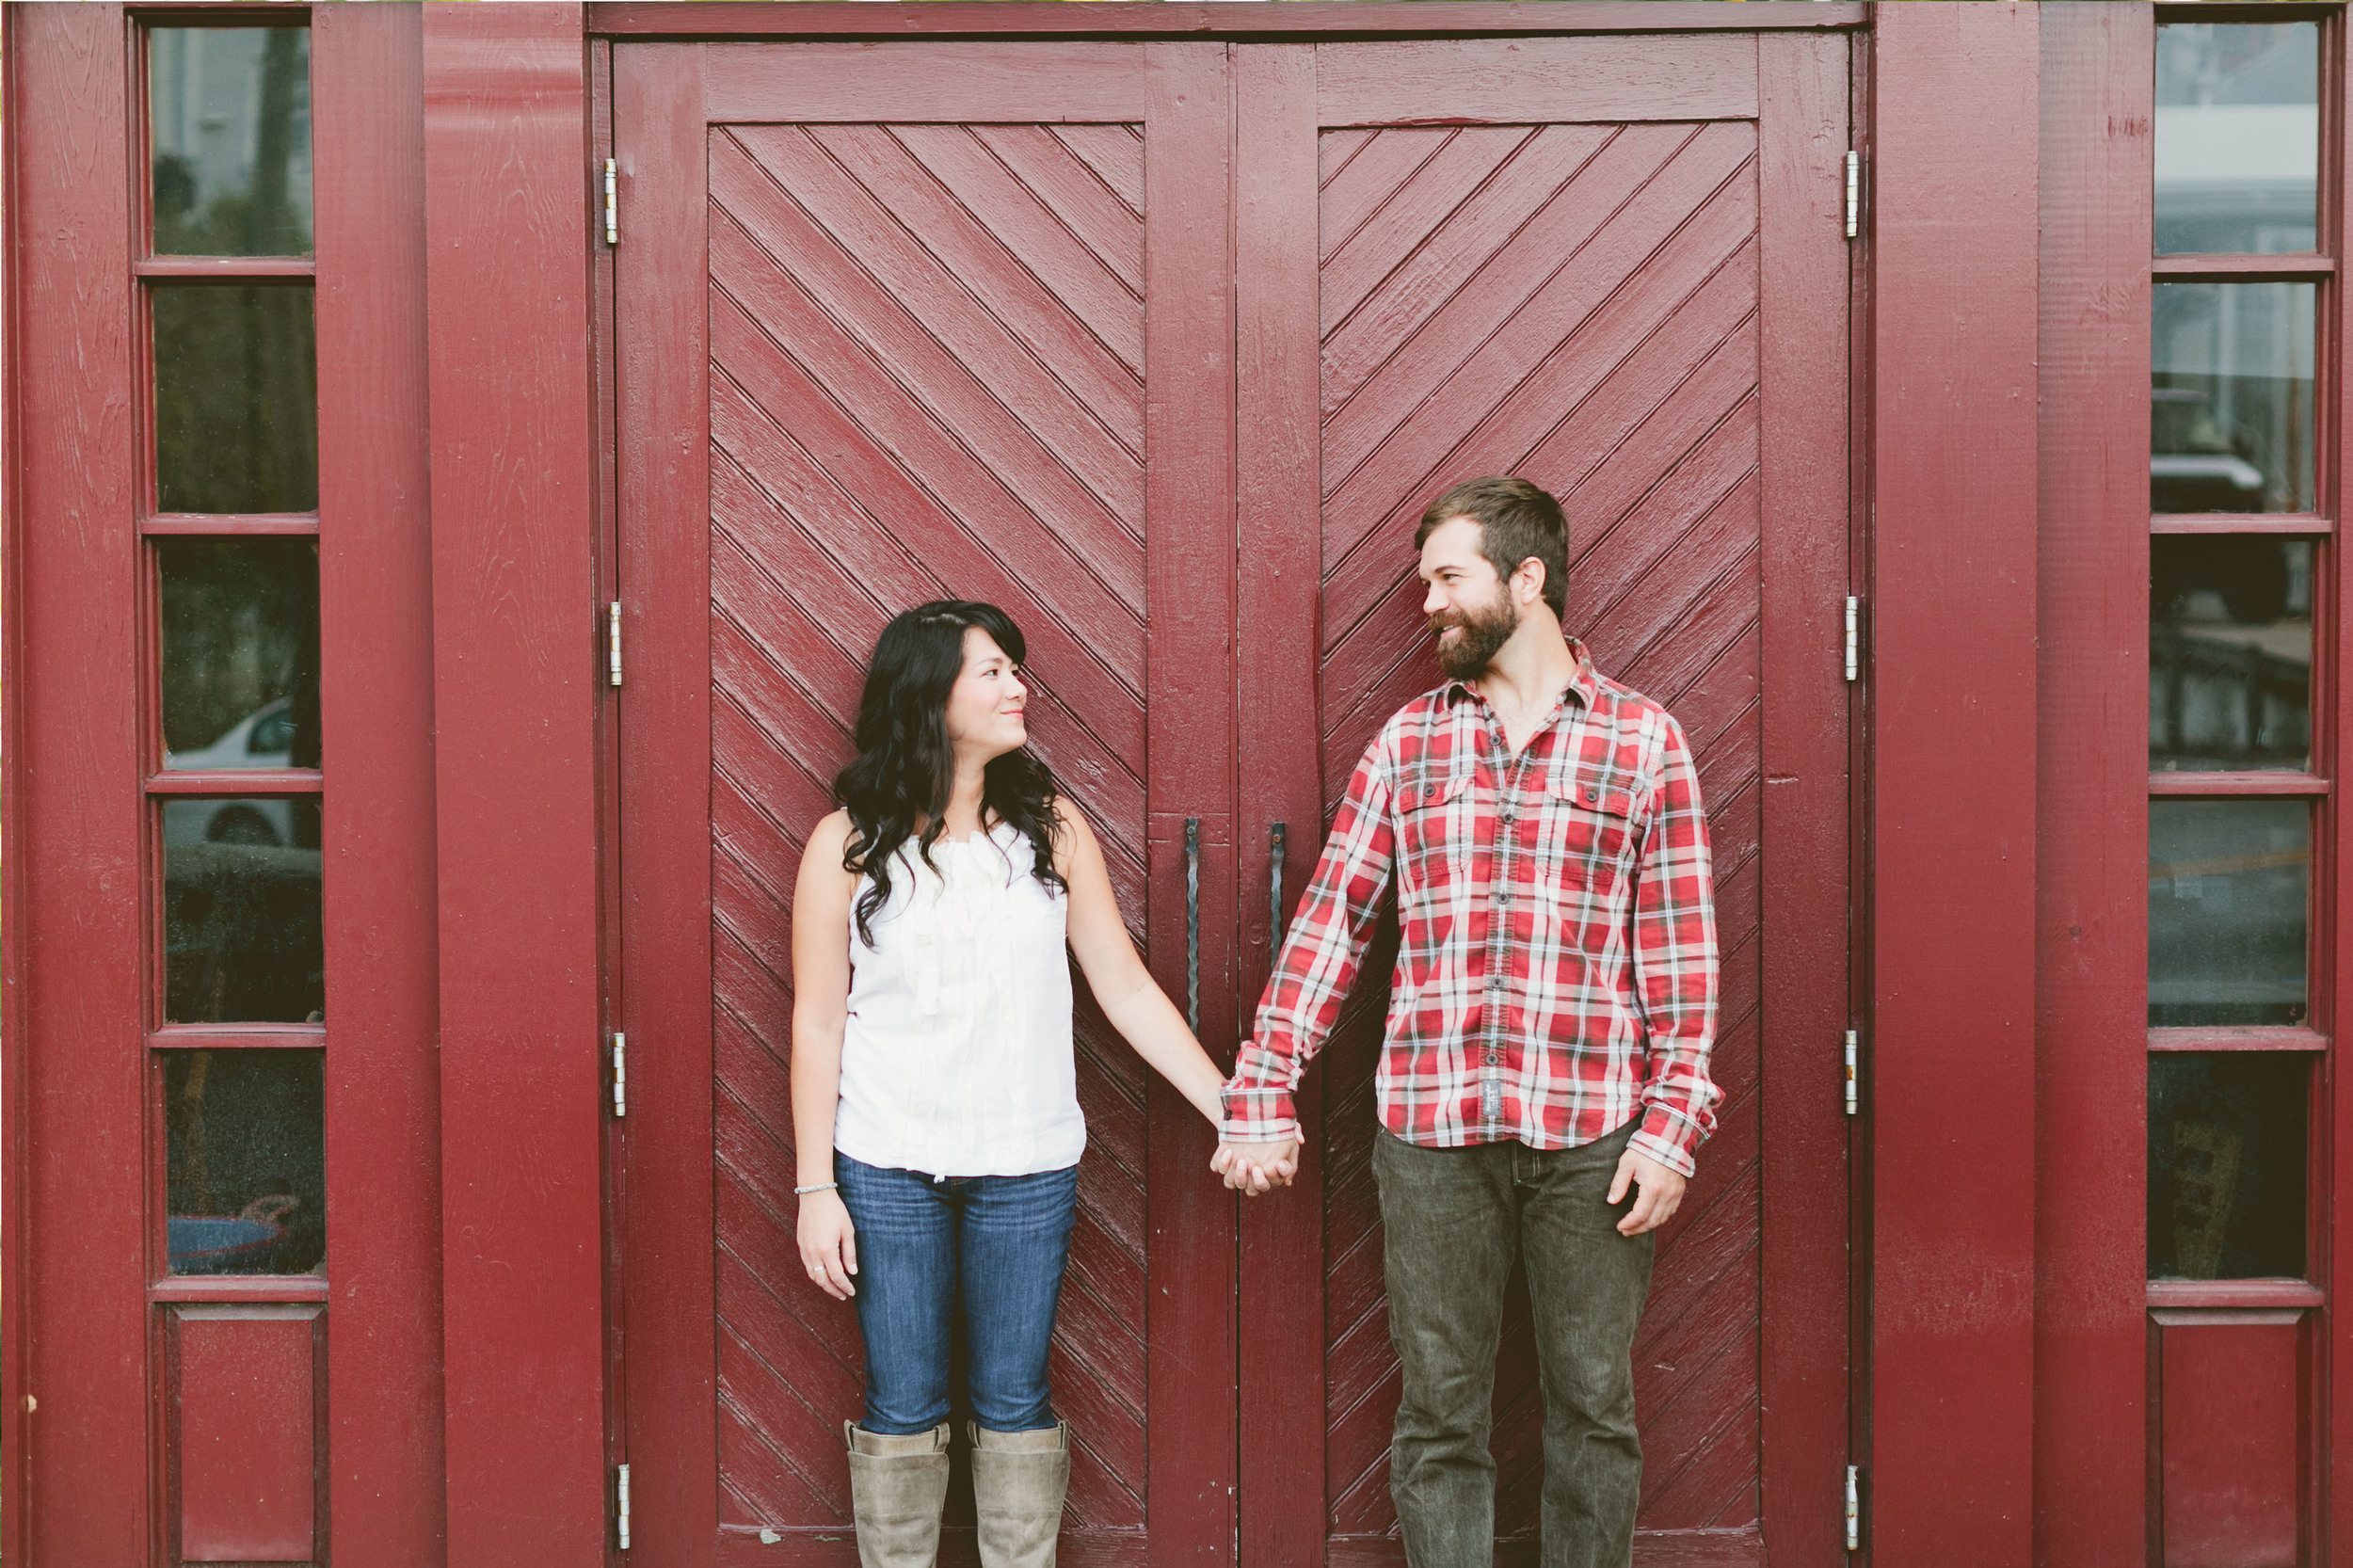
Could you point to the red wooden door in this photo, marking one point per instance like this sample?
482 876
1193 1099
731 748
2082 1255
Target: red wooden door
1616 266
900 324
1126 337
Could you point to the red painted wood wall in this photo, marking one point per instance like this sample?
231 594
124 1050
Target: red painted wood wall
2004 1348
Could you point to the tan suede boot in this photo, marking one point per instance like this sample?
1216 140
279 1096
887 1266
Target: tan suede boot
896 1485
1019 1478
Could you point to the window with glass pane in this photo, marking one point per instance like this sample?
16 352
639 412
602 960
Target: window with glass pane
242 935
229 127
2237 137
236 398
240 652
2226 1164
2231 398
2230 653
245 1166
2228 911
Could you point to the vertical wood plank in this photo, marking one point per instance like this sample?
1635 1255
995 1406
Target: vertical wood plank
1279 495
1953 840
670 1301
515 689
2091 935
2332 1526
78 875
1802 296
376 679
1188 503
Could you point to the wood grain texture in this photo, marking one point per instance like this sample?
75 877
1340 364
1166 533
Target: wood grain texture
1463 81
2331 1500
923 81
1191 562
1306 20
888 428
375 682
1592 327
669 1287
2091 790
514 698
78 871
1280 1373
1954 443
1809 994
867 365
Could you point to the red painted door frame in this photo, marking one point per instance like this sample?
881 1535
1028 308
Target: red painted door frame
515 593
1951 1064
82 1384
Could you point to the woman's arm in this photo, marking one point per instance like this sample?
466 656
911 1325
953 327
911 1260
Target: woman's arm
1124 988
821 1010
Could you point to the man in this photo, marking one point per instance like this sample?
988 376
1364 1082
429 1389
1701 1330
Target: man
1544 1082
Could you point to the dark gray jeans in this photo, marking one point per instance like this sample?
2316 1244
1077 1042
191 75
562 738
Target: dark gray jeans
1454 1220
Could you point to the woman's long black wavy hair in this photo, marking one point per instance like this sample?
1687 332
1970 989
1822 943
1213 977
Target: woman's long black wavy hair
906 766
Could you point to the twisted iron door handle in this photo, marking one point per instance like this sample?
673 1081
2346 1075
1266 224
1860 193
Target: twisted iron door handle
1193 922
1274 891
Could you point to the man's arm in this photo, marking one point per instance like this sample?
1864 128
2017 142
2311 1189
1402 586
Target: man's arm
1674 967
1318 964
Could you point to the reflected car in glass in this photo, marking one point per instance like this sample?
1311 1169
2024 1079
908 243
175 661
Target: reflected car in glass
263 739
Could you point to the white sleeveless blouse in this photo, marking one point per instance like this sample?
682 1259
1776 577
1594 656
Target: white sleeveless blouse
957 1057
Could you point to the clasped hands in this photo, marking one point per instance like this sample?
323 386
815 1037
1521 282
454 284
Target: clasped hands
1256 1168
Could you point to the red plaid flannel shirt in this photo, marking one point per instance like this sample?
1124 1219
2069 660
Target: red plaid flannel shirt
1556 969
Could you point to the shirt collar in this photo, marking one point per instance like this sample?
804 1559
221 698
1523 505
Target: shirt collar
1584 686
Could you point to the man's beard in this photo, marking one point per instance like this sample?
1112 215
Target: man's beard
1485 633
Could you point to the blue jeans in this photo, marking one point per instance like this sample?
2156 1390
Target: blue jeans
990 1247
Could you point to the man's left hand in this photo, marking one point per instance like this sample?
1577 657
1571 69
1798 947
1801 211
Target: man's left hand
1658 1192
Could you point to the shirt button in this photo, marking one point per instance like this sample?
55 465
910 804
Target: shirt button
1493 1059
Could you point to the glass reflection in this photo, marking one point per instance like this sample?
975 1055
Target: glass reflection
240 652
2238 137
2227 911
2231 398
2226 1164
229 117
244 1172
2230 653
236 398
242 940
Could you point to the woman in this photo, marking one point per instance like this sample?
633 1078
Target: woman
935 1103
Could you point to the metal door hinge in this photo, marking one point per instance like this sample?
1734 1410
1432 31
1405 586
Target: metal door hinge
1854 1508
613 204
620 1506
613 643
1852 1044
1854 192
1854 641
620 1072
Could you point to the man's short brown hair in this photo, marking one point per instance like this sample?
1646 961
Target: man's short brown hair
1518 522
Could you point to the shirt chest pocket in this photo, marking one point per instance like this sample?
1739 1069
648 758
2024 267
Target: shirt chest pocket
1438 827
1593 821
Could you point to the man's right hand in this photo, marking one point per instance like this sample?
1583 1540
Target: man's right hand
1255 1168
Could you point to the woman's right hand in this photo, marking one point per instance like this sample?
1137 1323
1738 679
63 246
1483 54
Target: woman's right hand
828 1244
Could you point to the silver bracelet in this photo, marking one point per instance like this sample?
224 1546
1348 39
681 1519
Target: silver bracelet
821 1187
